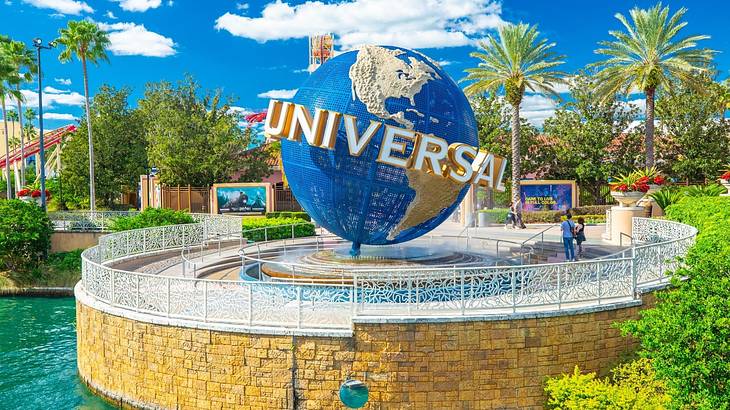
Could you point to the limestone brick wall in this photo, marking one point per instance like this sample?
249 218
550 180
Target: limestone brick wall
446 365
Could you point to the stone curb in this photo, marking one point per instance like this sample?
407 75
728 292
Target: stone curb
53 292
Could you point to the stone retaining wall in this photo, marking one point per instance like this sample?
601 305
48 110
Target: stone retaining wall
474 364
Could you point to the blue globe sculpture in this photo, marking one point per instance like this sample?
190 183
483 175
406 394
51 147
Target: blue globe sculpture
356 197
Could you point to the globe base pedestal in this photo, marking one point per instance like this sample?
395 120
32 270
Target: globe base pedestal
355 250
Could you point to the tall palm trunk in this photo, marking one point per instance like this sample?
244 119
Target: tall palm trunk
22 142
649 137
9 193
92 191
516 163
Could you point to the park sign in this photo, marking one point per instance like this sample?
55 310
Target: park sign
379 145
460 162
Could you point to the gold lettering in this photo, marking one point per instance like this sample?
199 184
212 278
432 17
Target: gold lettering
460 168
278 119
355 143
429 152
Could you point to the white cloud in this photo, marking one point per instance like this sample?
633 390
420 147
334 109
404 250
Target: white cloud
639 103
139 5
535 108
444 63
130 39
52 90
58 116
240 110
407 23
242 6
278 94
58 97
62 6
63 81
110 15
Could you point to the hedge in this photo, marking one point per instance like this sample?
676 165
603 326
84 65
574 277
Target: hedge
286 214
276 230
496 215
151 217
687 333
632 386
25 235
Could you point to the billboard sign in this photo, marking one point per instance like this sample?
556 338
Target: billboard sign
546 195
242 198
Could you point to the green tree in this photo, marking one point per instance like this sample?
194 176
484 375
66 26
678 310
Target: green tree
723 90
194 140
585 130
120 156
696 145
28 129
647 57
88 43
494 130
8 77
24 61
687 334
514 62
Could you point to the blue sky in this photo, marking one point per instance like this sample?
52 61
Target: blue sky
258 49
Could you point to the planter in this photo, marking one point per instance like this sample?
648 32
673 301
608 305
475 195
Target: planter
653 188
26 198
482 219
726 184
627 199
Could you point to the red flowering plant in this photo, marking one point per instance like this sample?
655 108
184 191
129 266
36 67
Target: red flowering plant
726 175
24 192
633 182
651 176
37 193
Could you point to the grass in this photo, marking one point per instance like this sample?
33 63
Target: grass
61 269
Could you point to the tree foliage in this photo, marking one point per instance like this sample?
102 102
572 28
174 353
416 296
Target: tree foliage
196 140
696 143
25 235
119 154
633 386
588 138
687 334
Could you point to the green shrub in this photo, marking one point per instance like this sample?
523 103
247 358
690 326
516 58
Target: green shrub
496 215
65 261
287 214
632 386
151 217
275 230
687 333
667 196
703 190
25 235
596 212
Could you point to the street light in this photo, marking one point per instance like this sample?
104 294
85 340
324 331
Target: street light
38 44
151 172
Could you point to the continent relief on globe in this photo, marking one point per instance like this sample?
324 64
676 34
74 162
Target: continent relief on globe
387 83
378 74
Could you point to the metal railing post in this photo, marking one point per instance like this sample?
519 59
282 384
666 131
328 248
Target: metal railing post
168 295
514 291
463 301
266 234
299 307
560 290
205 300
634 275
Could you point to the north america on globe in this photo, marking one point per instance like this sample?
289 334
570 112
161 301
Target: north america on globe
363 198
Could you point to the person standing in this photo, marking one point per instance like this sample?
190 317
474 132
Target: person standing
567 227
580 235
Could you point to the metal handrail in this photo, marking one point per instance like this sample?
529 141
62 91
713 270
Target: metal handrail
541 234
445 291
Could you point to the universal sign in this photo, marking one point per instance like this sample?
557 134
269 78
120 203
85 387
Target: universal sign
462 163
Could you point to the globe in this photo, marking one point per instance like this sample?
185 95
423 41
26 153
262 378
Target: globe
356 197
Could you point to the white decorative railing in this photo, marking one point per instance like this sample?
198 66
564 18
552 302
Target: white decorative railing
403 292
89 221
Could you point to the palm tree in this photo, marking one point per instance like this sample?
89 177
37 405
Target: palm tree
87 42
23 59
8 75
724 98
514 62
649 56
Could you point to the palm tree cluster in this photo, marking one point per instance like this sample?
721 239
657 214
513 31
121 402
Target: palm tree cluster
648 55
82 40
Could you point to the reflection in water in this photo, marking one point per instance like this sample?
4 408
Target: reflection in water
38 356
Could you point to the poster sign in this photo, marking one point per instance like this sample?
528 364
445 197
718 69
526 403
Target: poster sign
242 198
546 195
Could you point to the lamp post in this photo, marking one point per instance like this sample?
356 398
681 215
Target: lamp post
151 172
38 44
